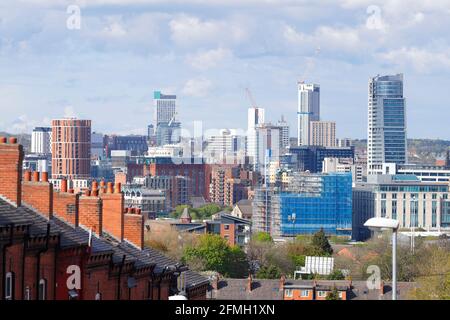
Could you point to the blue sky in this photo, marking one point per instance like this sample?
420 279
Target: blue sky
208 52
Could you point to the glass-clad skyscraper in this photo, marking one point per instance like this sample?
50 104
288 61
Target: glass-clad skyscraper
308 110
387 122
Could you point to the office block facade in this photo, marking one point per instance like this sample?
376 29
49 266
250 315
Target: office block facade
308 110
322 133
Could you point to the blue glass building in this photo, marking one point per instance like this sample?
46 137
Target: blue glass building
387 122
322 201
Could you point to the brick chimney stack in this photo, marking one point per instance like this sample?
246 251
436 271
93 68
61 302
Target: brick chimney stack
38 193
249 283
134 227
282 282
113 212
11 158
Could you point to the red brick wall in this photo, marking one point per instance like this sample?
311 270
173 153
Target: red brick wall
67 258
65 206
113 216
134 229
39 195
90 213
14 265
230 233
11 157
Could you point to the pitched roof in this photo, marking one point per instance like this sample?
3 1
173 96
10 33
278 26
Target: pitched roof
245 206
185 214
236 289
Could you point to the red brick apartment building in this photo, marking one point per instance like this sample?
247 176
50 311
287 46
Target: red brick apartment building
58 245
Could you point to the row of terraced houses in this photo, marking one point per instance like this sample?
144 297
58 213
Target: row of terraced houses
61 245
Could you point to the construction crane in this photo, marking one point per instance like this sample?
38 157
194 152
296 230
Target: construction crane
250 97
309 66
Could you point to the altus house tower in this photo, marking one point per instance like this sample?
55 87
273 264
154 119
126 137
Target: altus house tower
387 122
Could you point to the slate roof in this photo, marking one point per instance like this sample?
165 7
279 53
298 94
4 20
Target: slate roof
263 289
245 206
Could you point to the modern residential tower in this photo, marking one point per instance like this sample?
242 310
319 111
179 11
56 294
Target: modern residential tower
71 149
387 122
167 127
41 140
255 117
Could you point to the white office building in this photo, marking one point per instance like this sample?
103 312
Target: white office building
255 118
41 140
284 133
308 110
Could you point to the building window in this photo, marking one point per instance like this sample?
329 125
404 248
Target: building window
288 293
42 289
321 294
226 227
304 293
341 294
98 296
9 286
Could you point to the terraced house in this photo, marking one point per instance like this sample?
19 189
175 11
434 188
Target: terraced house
61 245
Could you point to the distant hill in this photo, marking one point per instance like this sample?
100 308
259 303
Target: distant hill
424 151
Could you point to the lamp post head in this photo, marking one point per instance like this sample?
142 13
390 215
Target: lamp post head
382 224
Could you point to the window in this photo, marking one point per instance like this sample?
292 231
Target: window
321 294
341 294
42 289
226 227
9 286
288 293
304 293
98 296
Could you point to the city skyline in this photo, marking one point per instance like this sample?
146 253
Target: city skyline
208 69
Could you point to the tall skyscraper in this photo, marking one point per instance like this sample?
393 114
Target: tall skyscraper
387 122
255 117
167 127
322 133
71 149
308 110
41 140
284 133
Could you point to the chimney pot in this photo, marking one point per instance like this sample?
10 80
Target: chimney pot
109 188
71 191
87 192
94 185
64 185
12 140
27 176
249 283
3 139
44 177
118 187
36 176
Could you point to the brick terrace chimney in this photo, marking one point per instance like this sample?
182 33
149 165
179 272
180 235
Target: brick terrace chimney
282 282
38 193
90 212
113 213
249 283
11 157
134 227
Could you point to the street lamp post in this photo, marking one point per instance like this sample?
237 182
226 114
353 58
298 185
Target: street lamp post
388 224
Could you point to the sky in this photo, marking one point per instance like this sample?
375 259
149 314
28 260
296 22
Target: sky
102 60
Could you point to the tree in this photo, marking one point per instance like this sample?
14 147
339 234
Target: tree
212 253
336 275
320 244
263 237
333 295
269 272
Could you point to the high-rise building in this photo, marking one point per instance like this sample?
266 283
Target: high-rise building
387 122
71 149
308 110
322 133
284 133
41 140
255 117
167 127
223 146
267 146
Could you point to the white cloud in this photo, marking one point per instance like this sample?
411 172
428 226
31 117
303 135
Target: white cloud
188 31
208 59
422 60
198 87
